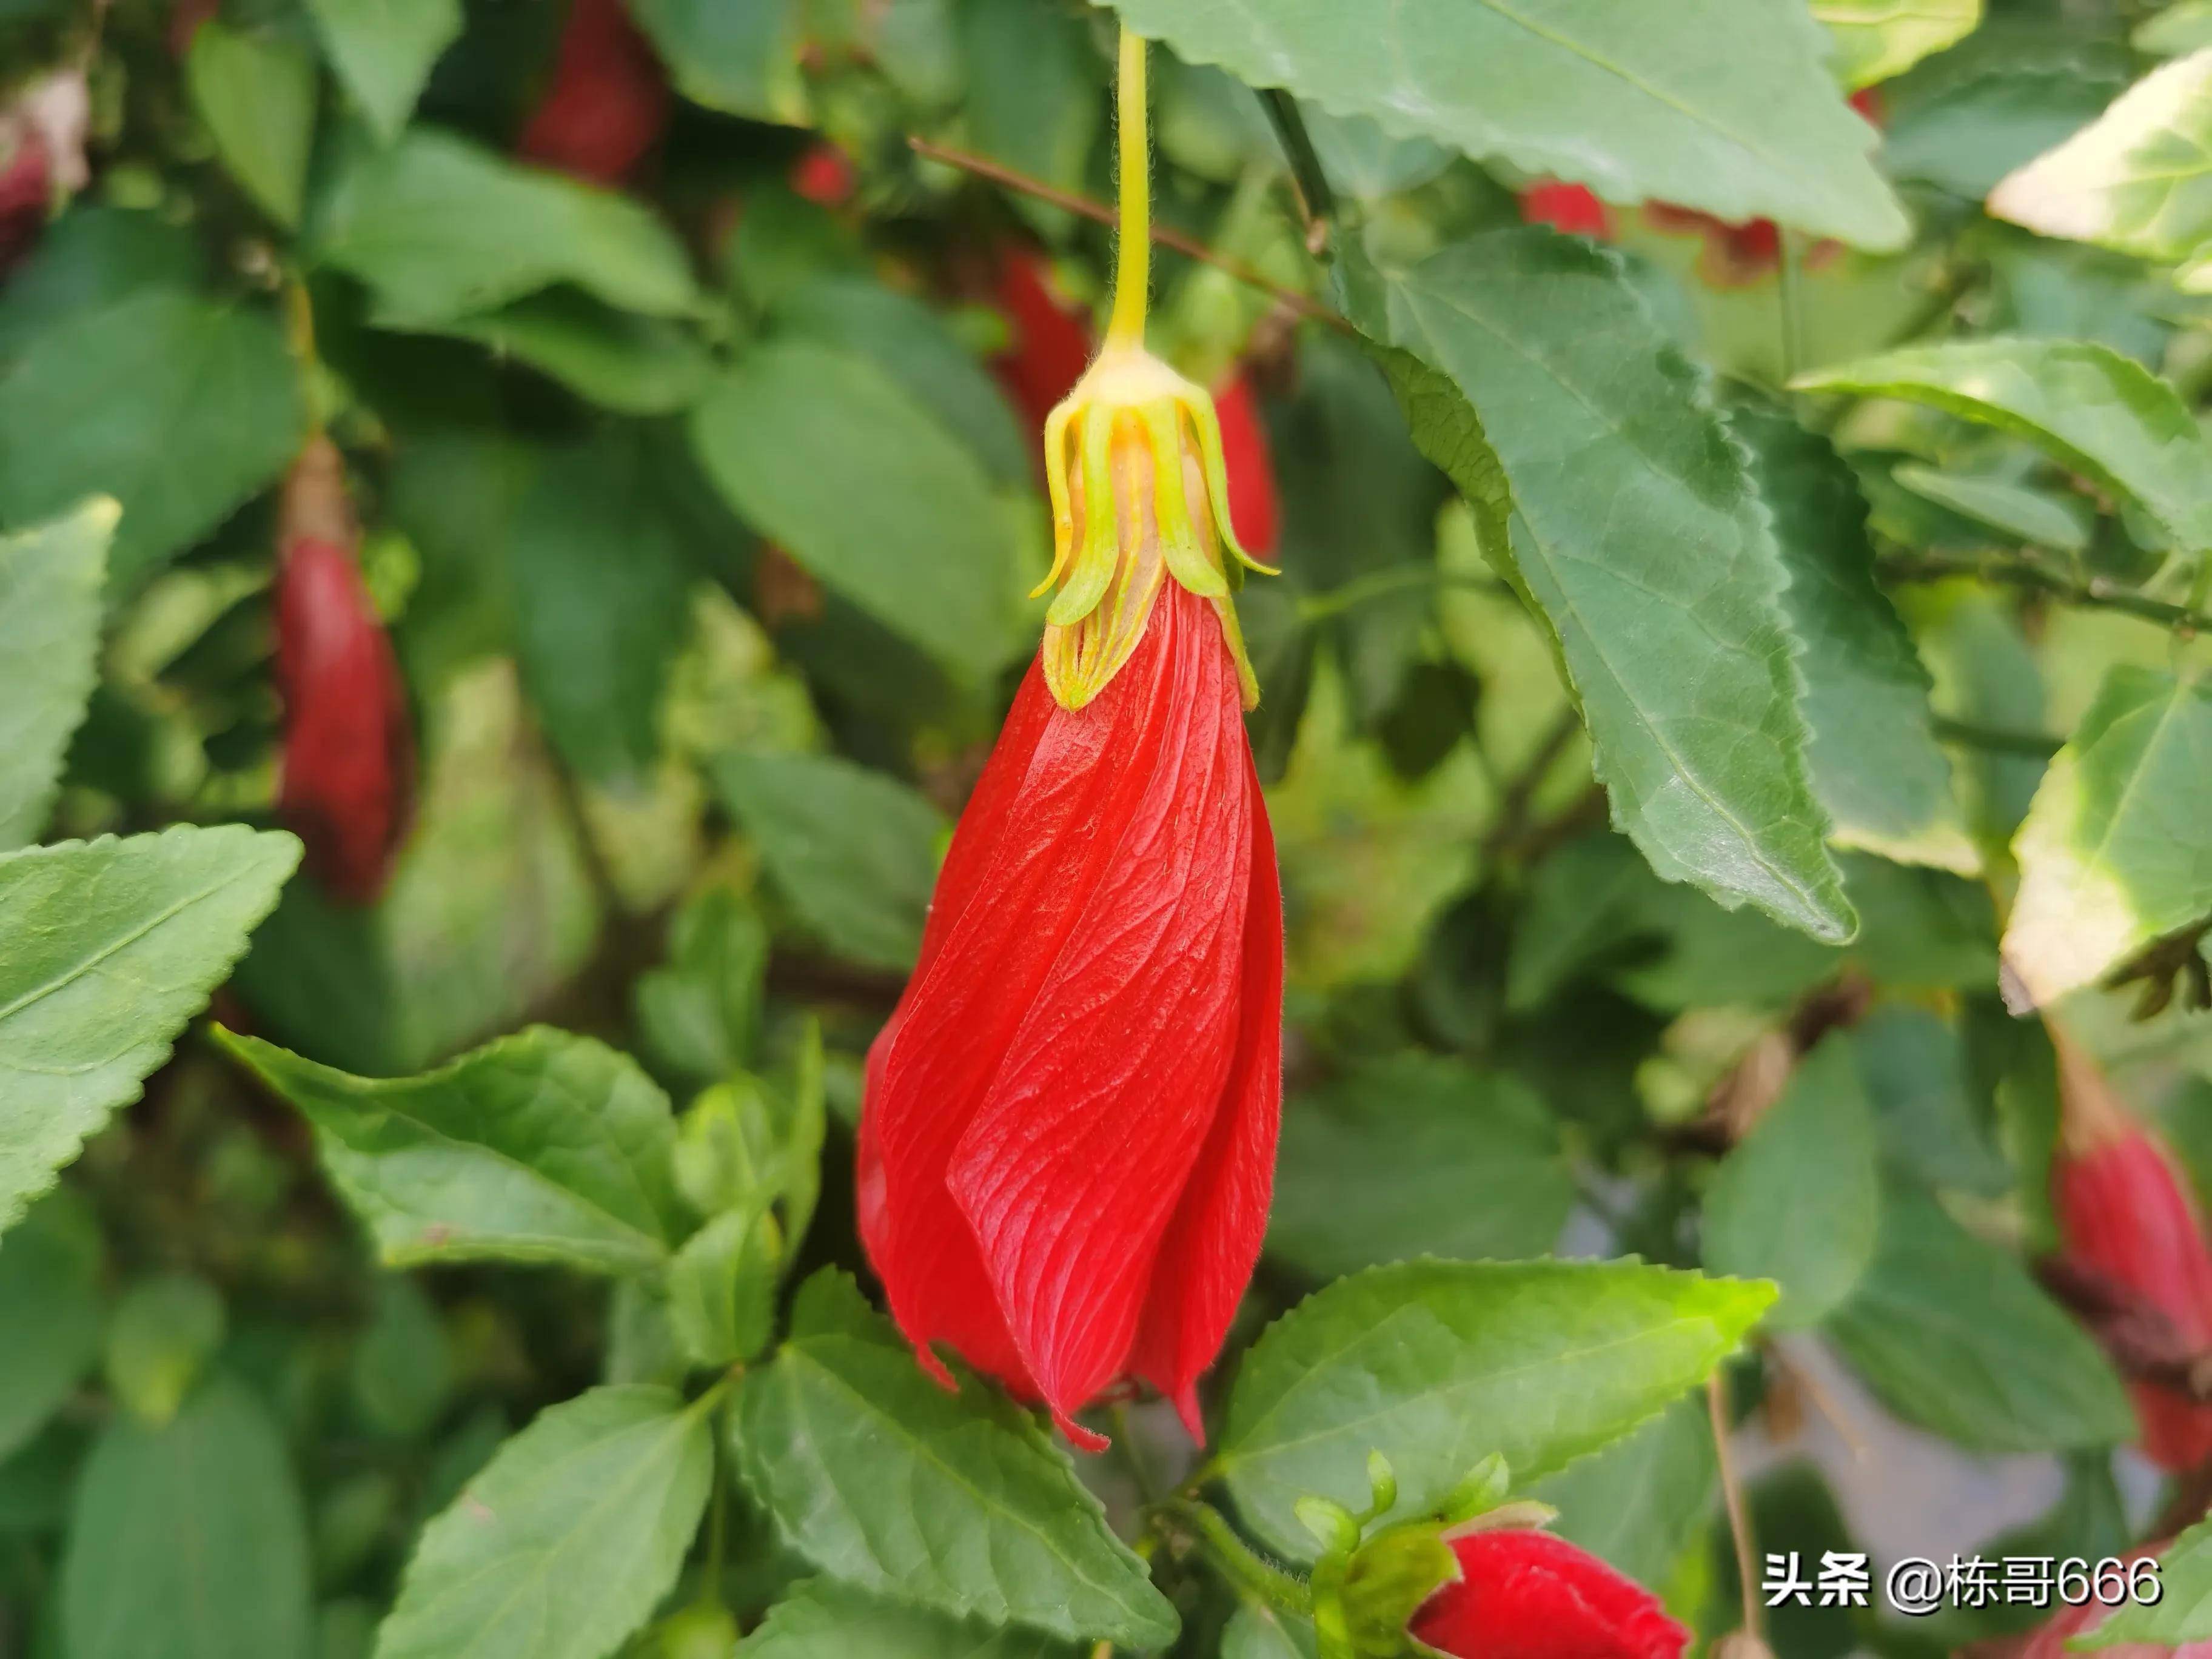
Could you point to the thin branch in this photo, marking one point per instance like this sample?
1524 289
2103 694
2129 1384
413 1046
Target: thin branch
1998 740
1739 1513
2096 591
1007 178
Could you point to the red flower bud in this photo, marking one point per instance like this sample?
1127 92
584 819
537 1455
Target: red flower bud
1566 207
1252 507
25 194
607 102
1068 1142
1050 346
2127 1217
349 765
1526 1594
825 174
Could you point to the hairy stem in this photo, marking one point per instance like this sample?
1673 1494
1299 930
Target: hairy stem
1234 1559
1133 256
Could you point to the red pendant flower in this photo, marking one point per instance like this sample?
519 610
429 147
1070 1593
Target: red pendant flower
2127 1218
1251 464
347 788
1527 1594
1048 341
606 102
1068 1142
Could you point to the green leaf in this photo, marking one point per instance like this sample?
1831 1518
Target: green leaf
1876 40
1749 124
1642 1501
442 228
1952 1335
543 1146
2116 848
2181 28
958 1502
50 1313
911 343
633 365
567 1540
256 92
1033 87
178 407
825 1620
160 1339
1416 1155
1258 1632
2091 409
830 457
1875 765
112 946
853 851
1799 1200
2040 517
186 1541
742 60
383 50
50 581
2183 1611
1438 1364
1635 533
721 1289
600 588
92 256
2137 180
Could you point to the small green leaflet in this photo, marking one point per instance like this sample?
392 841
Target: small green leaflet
879 1478
2116 848
256 92
1800 1200
440 228
618 360
2183 1611
853 851
112 946
383 50
1750 123
1954 1335
50 582
741 59
1876 40
540 1147
178 407
1438 1364
218 1476
2087 407
567 1540
824 1619
2138 179
50 1313
1526 360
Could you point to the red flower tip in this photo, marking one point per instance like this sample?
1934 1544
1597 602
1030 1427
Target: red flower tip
1571 208
1251 464
606 102
1068 1144
26 189
347 788
2127 1217
825 174
1528 1595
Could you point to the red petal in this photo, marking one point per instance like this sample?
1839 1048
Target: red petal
1207 1260
1566 207
1527 1594
607 100
1072 1169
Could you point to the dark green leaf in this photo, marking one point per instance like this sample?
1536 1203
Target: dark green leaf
1644 1500
50 581
541 1146
186 1541
1637 536
1954 1335
831 458
1416 1156
825 1620
256 92
633 365
853 851
402 1372
1799 1200
112 946
1750 125
1916 1068
569 1537
178 407
958 1502
1033 87
50 1313
2114 851
383 50
440 228
2090 409
2021 511
1438 1364
91 256
1876 765
741 59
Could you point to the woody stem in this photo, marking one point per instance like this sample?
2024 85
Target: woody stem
1133 258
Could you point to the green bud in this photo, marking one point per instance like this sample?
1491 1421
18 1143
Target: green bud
1388 1579
698 1632
1484 1488
1334 1526
1382 1484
